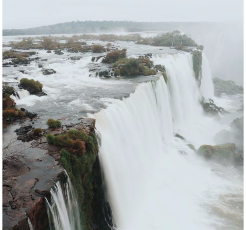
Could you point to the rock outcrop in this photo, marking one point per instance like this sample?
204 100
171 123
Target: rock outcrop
223 154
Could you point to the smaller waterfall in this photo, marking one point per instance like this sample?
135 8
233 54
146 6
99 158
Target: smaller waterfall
30 224
63 209
23 93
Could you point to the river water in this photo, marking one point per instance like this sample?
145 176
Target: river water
154 180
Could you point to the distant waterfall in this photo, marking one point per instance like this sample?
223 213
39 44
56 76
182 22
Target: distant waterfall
141 157
63 209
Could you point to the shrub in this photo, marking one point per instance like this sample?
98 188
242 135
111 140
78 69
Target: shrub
97 48
114 56
37 131
53 123
133 67
26 43
12 112
31 85
9 113
7 101
49 44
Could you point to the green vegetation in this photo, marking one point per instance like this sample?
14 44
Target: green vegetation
49 43
17 57
31 85
197 65
78 155
37 131
85 27
26 43
12 113
221 153
164 73
97 48
172 39
9 111
53 123
134 67
114 56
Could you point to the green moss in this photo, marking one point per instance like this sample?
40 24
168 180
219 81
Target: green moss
114 56
85 177
53 123
220 153
37 131
197 65
164 73
97 48
31 85
174 38
134 67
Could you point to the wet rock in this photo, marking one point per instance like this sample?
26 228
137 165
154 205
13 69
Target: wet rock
227 87
40 94
179 136
48 71
148 55
49 51
223 154
23 71
234 135
24 130
40 66
28 114
75 58
58 52
210 108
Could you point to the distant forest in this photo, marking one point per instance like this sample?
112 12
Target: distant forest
80 27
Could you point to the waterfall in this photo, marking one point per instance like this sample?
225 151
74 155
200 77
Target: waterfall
29 224
150 184
63 209
20 94
23 93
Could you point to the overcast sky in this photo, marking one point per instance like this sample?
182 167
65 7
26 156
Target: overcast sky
18 14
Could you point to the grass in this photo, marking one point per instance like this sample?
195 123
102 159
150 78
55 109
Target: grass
53 123
31 85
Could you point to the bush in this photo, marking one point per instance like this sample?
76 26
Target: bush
53 123
37 131
49 44
114 56
133 67
97 48
31 85
7 101
12 112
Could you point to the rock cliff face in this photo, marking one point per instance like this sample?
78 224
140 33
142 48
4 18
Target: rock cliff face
29 176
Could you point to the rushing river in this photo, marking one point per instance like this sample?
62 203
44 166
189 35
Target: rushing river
154 180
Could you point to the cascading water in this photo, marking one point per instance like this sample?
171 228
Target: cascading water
63 209
150 184
29 224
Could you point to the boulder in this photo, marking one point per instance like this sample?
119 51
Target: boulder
58 52
48 71
223 154
210 108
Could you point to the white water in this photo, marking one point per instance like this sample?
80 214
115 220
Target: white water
29 224
150 184
63 210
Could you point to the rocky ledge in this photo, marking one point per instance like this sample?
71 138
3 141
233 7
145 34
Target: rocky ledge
29 171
